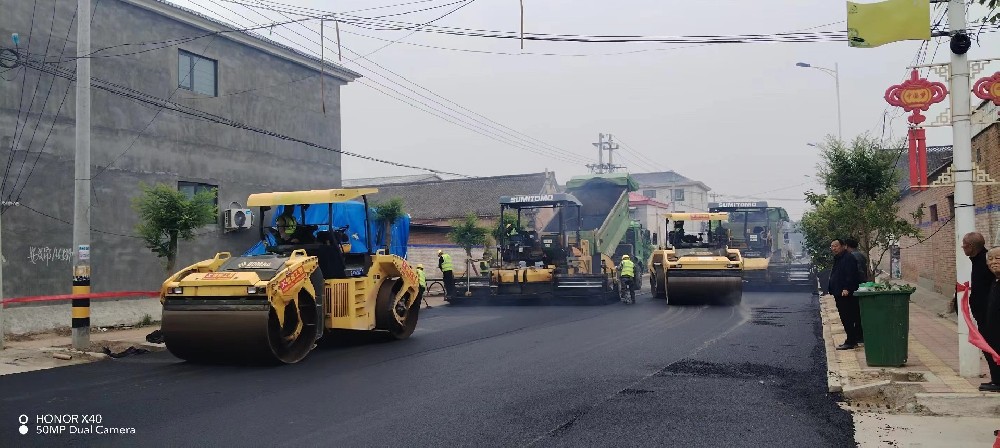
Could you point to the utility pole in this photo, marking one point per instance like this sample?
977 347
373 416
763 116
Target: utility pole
2 204
965 209
599 167
611 151
81 203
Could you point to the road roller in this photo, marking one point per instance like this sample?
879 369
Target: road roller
697 268
315 274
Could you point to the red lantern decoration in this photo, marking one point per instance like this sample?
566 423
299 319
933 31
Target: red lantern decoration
988 88
914 95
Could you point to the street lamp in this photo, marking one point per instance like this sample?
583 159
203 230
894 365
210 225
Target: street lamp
835 72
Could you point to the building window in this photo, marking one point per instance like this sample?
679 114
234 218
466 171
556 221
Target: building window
951 206
192 188
679 195
934 215
649 194
196 73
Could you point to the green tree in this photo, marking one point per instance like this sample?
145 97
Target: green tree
994 15
861 201
388 213
467 233
167 216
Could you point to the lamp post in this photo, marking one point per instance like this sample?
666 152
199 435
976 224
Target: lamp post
835 72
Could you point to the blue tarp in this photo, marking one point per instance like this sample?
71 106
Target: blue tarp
349 213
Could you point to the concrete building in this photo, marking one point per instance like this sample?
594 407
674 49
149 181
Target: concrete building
930 260
389 180
682 193
651 214
433 206
175 55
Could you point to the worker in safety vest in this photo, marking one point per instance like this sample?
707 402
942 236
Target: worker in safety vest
286 226
422 281
444 264
627 272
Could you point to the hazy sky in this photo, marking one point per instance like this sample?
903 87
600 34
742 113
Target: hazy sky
736 117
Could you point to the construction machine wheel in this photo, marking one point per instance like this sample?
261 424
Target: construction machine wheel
392 315
657 282
704 290
243 333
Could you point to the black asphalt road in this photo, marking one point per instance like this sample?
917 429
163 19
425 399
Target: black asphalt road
618 375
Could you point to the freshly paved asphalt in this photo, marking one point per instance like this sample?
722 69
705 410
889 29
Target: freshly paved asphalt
642 375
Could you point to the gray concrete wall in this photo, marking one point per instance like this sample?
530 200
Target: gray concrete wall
36 248
29 318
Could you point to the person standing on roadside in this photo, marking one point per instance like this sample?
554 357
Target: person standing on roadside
844 280
974 246
991 332
852 247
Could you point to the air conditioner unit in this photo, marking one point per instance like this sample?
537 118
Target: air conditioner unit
238 218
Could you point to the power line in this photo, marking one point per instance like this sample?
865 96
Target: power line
520 140
642 156
20 107
464 4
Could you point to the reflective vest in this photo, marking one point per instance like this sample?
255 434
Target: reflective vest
446 265
628 268
484 268
421 278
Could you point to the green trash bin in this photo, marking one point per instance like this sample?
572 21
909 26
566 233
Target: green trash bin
885 319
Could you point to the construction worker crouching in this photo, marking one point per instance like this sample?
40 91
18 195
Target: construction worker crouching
446 267
422 281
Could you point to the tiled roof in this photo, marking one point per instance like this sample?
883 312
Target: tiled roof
938 157
387 180
455 198
661 178
635 198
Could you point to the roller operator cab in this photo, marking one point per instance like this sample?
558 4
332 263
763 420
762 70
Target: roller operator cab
542 257
697 268
310 278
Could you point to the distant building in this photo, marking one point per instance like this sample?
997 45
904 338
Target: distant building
682 193
650 213
151 49
389 180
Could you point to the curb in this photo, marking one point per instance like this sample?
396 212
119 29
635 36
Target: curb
961 405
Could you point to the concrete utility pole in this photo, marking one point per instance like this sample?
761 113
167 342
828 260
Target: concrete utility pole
2 204
81 204
965 202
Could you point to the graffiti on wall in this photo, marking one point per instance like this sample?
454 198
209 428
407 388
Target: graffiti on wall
46 254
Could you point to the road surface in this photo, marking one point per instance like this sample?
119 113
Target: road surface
642 375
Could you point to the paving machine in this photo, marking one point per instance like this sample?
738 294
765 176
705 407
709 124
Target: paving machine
553 265
697 268
761 234
308 281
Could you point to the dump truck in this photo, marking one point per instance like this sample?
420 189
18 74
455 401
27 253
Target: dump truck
638 245
761 234
553 264
317 275
697 268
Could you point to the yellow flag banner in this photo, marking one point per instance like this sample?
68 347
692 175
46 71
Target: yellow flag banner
870 25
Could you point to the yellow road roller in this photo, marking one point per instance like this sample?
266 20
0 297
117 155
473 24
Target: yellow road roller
313 274
697 268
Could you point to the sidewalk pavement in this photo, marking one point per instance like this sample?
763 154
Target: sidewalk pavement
50 350
923 403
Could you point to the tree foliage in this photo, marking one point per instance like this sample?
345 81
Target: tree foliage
467 233
387 213
860 202
167 216
994 15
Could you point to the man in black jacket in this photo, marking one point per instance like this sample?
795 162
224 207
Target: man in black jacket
843 282
974 246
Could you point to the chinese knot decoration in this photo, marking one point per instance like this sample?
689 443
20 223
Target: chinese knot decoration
916 94
988 88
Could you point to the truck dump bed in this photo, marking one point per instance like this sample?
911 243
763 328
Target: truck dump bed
604 214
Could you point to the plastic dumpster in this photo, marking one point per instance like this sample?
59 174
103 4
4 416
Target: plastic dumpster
885 319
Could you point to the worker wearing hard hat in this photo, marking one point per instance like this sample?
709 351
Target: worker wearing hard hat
422 281
627 273
446 267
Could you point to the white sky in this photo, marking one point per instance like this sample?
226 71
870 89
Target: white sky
736 117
